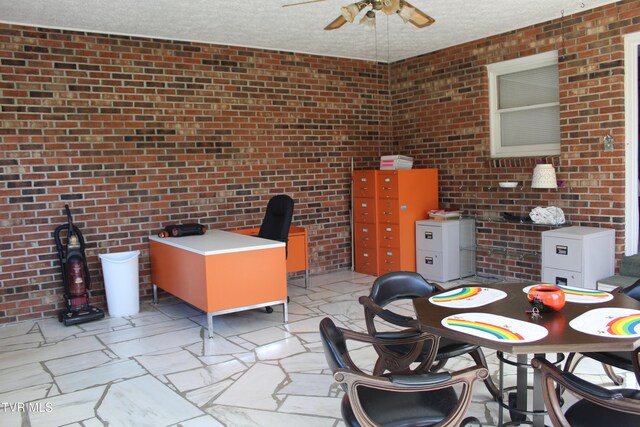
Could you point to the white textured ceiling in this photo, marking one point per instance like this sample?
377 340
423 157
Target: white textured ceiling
266 24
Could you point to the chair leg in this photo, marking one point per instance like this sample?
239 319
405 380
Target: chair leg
478 357
617 379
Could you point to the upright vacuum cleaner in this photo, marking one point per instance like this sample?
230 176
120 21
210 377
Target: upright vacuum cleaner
75 275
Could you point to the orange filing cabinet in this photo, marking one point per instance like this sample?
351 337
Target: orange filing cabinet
220 272
387 203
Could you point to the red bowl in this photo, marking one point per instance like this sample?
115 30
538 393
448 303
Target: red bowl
546 297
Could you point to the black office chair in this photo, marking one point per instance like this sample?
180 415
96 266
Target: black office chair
597 406
276 222
277 219
395 400
401 285
627 361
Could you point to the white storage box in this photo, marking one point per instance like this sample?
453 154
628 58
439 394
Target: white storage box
395 162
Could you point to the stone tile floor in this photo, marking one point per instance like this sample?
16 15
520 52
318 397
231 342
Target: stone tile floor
157 369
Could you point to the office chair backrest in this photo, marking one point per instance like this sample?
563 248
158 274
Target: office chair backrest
277 218
633 291
335 347
400 285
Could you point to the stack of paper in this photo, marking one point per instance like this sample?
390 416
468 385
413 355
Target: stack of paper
395 162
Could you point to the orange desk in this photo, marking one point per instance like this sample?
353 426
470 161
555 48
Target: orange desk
298 252
220 272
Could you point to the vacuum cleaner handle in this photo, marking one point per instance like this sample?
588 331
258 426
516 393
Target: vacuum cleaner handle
69 220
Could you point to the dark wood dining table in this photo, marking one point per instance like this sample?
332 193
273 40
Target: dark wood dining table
561 337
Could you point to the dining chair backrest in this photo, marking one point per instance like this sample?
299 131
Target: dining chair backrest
400 285
632 291
334 344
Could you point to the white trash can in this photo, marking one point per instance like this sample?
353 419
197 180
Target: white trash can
121 282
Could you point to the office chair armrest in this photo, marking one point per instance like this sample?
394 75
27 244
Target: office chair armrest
585 388
396 339
552 375
465 377
420 379
388 315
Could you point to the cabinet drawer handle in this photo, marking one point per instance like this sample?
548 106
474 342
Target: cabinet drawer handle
388 213
388 262
428 235
562 250
387 180
428 260
386 188
388 237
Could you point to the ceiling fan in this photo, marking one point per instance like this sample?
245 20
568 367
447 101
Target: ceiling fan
406 11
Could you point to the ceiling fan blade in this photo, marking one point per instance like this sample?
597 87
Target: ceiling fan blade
419 18
302 2
336 23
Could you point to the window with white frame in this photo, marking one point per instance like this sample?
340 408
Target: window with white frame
525 106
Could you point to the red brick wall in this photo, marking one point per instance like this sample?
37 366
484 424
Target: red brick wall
135 134
441 117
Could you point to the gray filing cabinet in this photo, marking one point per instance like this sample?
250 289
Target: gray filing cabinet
445 250
578 256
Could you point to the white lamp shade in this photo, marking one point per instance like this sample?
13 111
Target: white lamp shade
406 13
350 12
544 176
369 19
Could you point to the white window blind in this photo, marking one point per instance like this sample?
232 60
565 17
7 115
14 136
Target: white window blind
525 107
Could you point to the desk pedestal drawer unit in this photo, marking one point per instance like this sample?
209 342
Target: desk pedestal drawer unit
220 272
298 252
578 256
444 249
386 206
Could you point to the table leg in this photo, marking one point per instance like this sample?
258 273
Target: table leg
285 311
155 294
501 391
521 382
210 324
306 278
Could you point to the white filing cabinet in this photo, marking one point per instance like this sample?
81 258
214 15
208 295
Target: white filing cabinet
578 256
445 250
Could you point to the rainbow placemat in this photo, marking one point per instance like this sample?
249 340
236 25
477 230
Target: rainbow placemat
609 322
495 327
579 295
467 297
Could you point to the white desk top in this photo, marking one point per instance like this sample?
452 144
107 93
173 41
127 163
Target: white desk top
215 242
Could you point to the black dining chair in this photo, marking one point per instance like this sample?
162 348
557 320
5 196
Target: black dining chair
406 285
276 223
596 406
627 361
422 399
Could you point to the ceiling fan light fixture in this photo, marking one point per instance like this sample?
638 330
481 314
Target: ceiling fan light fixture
406 13
350 12
369 19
